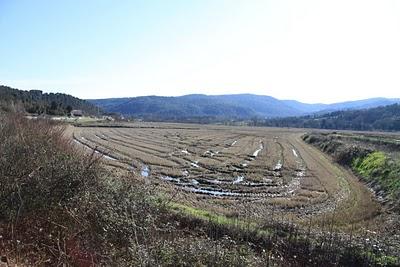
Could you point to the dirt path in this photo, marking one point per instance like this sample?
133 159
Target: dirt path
354 203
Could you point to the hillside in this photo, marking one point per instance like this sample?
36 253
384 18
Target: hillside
359 104
35 101
386 118
189 106
240 106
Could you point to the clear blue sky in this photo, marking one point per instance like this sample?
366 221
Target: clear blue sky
313 51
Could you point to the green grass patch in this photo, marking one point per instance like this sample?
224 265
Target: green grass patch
210 216
375 161
380 170
221 219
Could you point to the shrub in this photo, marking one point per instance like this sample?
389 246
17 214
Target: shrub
39 170
120 219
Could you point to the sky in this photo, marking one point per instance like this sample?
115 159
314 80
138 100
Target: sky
311 51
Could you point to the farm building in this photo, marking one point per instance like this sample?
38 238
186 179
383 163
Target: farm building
77 113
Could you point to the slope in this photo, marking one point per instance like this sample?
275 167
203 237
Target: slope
386 118
236 106
35 101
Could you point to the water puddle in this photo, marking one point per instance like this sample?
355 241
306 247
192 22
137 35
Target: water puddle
267 182
213 192
210 153
239 179
107 157
278 166
255 154
170 179
95 150
195 164
213 181
145 171
102 137
295 183
185 152
235 187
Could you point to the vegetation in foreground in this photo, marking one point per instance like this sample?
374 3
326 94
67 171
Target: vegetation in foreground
59 206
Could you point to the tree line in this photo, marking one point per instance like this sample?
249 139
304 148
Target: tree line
385 118
37 102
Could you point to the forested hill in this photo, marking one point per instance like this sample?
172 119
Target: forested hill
386 118
35 101
240 106
198 106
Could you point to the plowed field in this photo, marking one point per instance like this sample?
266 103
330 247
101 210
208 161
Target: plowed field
259 172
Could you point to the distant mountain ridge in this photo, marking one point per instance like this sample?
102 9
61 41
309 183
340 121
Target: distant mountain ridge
235 106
